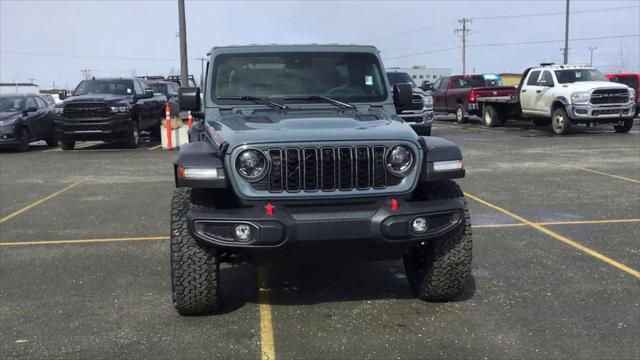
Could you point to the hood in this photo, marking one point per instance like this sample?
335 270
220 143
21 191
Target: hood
309 126
7 114
108 98
592 85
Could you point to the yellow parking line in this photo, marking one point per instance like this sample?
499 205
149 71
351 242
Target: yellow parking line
34 204
609 175
559 237
267 345
578 222
155 147
82 241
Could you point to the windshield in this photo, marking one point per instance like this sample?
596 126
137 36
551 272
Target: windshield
159 88
399 78
113 87
11 103
576 75
343 76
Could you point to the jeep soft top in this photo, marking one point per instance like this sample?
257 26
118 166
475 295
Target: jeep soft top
298 154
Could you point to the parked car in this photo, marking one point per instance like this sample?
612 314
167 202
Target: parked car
562 96
456 94
23 119
301 156
419 114
632 81
113 110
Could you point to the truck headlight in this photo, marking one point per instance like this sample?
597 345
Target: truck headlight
580 97
428 101
251 164
632 95
119 109
399 160
58 110
10 120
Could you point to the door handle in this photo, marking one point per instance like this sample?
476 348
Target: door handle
538 91
524 91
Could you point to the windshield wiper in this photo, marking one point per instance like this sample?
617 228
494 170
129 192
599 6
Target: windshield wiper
325 99
258 100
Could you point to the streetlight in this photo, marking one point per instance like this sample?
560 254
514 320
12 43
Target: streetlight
591 50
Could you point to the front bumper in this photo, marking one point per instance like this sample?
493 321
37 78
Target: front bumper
600 113
8 136
371 224
91 129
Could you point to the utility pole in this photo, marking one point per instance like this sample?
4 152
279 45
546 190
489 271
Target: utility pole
463 32
591 50
184 71
54 85
201 71
566 35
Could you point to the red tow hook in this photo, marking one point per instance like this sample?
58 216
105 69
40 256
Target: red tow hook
268 209
394 205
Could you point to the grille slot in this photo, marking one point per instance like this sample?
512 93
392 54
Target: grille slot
86 111
326 169
609 96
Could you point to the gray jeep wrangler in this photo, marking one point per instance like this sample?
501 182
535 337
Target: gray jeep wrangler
298 155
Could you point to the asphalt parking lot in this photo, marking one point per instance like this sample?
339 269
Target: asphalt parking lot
84 263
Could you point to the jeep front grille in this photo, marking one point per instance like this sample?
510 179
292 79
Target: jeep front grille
86 111
609 96
313 169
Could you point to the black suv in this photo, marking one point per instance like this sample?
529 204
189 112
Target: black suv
301 156
112 110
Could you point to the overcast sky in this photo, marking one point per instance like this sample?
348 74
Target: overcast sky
52 41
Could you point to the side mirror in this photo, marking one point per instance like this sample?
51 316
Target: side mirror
189 98
30 109
62 95
148 94
402 95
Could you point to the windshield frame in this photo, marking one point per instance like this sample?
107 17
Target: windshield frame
130 86
556 74
220 58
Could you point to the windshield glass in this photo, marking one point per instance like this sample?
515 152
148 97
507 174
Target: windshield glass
11 103
343 76
399 78
576 75
159 88
113 87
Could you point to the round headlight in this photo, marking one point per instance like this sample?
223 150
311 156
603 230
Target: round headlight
251 164
399 160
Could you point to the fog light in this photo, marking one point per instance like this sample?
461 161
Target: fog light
243 232
419 225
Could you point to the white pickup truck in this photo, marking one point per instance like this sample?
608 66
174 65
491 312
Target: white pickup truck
561 96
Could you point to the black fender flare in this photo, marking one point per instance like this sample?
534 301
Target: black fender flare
437 149
201 154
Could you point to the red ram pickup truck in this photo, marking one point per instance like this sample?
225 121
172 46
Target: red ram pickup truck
457 95
632 81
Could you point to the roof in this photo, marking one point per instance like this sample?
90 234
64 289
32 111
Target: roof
564 66
293 47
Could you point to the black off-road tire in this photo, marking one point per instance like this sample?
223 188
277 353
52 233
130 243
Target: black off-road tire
195 270
560 121
133 137
541 121
439 269
67 145
625 127
491 117
23 139
461 117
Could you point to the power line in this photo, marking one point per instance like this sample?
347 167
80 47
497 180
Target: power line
553 13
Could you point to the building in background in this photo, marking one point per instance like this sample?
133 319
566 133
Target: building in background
18 88
421 73
511 79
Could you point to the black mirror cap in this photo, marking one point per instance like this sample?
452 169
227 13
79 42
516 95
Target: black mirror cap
148 94
62 95
189 98
402 95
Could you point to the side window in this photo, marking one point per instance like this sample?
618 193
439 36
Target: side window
41 103
548 78
436 85
31 103
533 77
137 88
444 83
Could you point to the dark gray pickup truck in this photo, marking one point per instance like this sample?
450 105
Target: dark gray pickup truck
298 155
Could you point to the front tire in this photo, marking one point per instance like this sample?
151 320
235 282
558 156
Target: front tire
438 270
133 138
560 122
23 139
491 117
51 142
461 117
195 270
625 127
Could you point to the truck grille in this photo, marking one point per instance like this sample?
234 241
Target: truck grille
86 111
326 169
609 96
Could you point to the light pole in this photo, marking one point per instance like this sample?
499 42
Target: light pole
591 50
